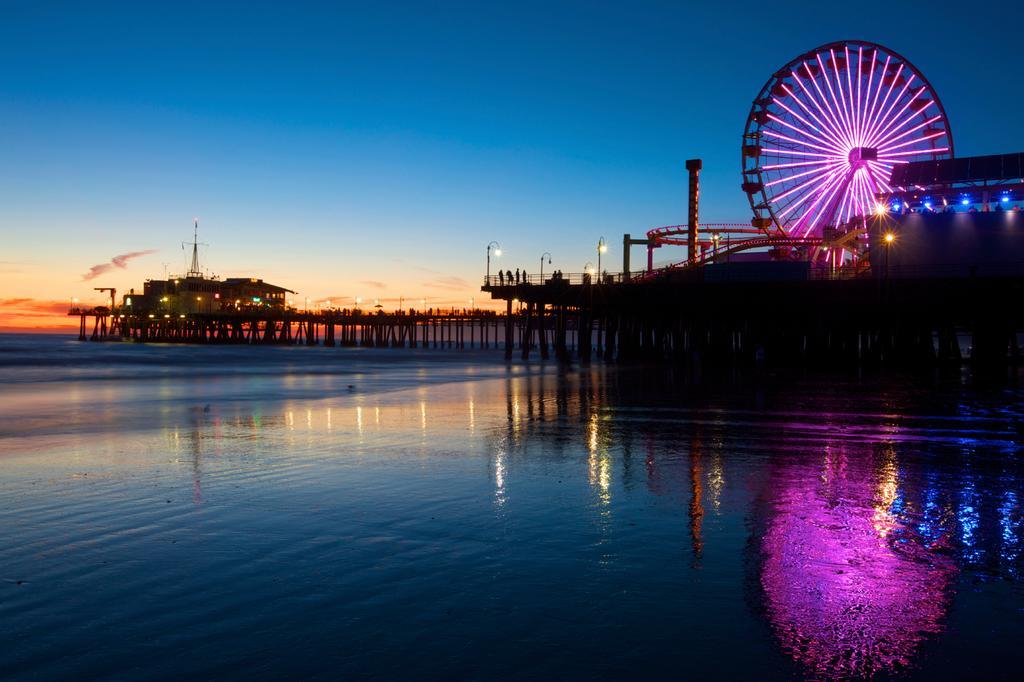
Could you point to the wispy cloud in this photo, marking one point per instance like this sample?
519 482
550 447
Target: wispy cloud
449 283
374 284
31 314
32 307
120 262
413 266
12 267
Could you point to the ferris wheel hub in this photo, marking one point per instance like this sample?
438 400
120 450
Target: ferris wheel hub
859 156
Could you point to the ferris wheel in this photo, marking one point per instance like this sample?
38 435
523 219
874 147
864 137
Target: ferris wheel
826 131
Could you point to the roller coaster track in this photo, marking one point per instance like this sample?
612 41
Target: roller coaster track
676 235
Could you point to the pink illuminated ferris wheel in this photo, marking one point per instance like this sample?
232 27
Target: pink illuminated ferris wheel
826 130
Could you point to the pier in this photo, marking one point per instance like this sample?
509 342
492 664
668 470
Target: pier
908 285
521 330
699 316
718 317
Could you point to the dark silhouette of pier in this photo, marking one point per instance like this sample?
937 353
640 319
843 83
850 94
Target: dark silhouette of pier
704 316
913 315
455 329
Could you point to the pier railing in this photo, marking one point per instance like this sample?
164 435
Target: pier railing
567 278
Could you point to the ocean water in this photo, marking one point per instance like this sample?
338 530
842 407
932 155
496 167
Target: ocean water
261 513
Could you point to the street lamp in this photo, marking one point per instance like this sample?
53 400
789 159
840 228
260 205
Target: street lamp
889 239
497 252
588 269
602 247
542 265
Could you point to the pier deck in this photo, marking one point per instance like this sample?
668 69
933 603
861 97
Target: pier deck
686 316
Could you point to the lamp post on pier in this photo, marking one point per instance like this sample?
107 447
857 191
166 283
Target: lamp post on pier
602 247
542 265
497 252
889 239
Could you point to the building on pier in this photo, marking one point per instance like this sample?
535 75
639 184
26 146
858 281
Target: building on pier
192 294
196 292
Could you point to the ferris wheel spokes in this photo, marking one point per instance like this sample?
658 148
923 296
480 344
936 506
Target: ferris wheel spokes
827 129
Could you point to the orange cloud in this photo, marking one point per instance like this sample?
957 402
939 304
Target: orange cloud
30 314
32 306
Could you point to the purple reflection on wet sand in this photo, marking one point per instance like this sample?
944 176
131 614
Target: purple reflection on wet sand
848 589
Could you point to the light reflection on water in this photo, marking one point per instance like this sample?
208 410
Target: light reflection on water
534 523
848 590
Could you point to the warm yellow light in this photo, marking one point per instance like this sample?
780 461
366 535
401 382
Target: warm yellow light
199 298
151 317
591 271
181 316
880 209
889 237
603 248
327 303
74 300
497 252
166 316
358 300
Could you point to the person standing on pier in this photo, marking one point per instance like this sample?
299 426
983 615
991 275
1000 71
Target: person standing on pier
517 275
501 278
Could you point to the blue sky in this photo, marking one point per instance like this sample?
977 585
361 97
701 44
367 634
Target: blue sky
326 146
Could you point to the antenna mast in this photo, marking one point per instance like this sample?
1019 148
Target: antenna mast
194 270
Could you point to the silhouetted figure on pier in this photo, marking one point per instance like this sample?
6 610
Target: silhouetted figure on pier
517 275
501 278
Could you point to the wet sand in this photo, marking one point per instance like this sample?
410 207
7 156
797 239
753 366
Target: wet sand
209 512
